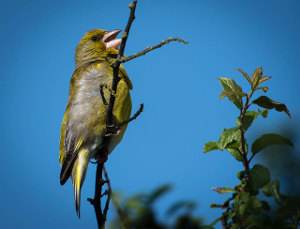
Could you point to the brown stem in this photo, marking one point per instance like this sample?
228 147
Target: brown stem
151 48
96 201
224 222
246 162
109 192
135 116
110 125
116 65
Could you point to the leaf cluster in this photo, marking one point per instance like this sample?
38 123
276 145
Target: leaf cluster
247 208
138 212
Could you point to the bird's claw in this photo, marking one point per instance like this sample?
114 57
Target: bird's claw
112 130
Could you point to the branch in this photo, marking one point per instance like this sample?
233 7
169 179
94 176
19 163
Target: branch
243 141
109 192
251 158
96 201
136 114
111 127
151 48
116 66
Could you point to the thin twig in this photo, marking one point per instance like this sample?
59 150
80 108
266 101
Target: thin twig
111 127
96 201
151 48
243 149
116 66
251 158
109 192
116 127
136 114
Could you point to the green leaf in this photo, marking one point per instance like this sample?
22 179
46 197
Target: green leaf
242 201
266 102
246 76
264 79
135 202
229 136
260 176
272 189
213 223
267 140
264 113
265 205
210 146
230 140
232 90
233 149
249 117
264 89
157 193
186 205
256 77
222 190
241 175
207 227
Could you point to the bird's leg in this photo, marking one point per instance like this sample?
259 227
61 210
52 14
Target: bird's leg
102 86
101 157
113 129
105 86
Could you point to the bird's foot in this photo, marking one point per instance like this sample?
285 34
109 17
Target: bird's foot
102 158
112 130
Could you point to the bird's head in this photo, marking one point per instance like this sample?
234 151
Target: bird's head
95 44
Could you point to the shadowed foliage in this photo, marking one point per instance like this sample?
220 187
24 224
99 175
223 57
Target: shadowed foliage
138 211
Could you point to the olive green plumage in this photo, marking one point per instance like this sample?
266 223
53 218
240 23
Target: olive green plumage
84 121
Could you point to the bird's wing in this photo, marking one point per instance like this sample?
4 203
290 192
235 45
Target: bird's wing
71 149
125 76
69 146
83 116
62 152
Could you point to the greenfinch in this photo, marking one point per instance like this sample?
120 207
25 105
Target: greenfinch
84 122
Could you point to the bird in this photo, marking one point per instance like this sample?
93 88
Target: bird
84 121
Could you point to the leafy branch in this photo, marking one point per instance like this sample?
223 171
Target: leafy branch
244 209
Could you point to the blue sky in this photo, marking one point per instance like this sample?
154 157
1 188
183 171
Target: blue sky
178 85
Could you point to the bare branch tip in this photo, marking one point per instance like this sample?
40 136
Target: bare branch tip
178 39
132 4
91 200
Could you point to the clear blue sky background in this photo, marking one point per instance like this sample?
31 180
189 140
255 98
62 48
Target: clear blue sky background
178 85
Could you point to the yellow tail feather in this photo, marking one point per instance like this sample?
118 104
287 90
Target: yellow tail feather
78 175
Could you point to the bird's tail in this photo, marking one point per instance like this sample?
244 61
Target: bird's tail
78 175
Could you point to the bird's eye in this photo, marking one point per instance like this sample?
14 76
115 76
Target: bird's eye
96 37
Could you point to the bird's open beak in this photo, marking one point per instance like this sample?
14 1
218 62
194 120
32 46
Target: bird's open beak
110 39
